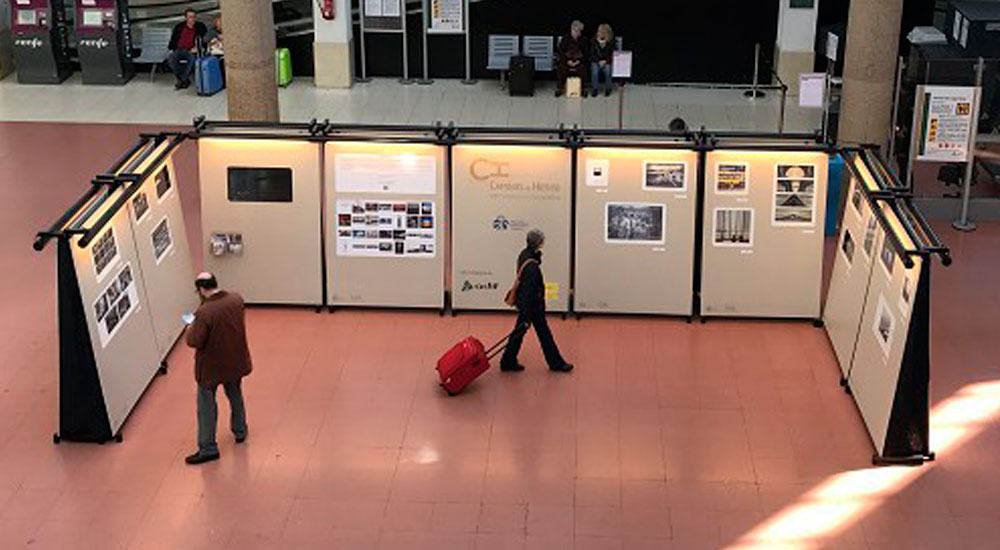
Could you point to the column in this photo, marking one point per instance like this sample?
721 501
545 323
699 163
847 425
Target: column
6 40
869 70
251 84
795 41
333 51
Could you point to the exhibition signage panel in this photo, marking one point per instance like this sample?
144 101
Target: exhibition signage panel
447 17
852 268
635 230
385 224
763 233
385 15
883 334
260 205
119 325
162 246
945 123
499 193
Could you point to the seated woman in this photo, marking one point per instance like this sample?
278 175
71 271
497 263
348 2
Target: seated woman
213 40
571 54
601 50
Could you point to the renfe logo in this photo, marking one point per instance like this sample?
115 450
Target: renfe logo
33 43
95 43
501 223
482 169
468 286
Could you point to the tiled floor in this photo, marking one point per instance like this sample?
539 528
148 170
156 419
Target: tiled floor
666 436
385 101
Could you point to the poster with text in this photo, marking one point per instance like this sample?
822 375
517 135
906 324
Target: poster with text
401 174
386 229
447 17
946 123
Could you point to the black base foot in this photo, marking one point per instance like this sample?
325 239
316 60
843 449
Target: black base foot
363 79
847 389
163 368
425 81
818 323
913 460
56 439
469 81
843 381
119 438
753 94
406 81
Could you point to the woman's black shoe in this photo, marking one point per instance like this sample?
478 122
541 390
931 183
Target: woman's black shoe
512 368
565 368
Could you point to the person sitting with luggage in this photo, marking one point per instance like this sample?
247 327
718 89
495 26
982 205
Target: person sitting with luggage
601 50
530 303
214 41
184 47
571 56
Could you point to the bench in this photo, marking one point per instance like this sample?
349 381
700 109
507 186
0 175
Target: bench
154 48
543 50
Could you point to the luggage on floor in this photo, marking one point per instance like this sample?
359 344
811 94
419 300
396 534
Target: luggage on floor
574 86
466 361
283 66
522 75
207 75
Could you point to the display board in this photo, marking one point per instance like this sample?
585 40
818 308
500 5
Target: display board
854 257
386 220
635 230
763 233
260 208
499 193
122 340
162 247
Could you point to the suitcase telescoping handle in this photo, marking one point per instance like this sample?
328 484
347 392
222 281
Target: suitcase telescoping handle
495 349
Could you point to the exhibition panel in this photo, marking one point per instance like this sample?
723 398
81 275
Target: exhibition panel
499 193
635 229
386 217
260 212
763 232
114 329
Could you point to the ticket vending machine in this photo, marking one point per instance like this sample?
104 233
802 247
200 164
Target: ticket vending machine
104 41
40 41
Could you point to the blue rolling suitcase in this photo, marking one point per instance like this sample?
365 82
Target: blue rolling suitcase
207 75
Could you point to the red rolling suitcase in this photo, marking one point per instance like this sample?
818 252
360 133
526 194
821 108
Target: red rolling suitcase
462 364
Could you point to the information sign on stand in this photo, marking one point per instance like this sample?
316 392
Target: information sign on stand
945 123
447 17
812 90
383 16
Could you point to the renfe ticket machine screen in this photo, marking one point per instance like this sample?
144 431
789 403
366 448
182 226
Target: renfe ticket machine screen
26 17
92 18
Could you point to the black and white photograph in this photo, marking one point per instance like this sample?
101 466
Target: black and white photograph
888 255
161 240
101 307
731 178
162 183
847 247
635 223
104 251
856 197
125 277
870 236
140 206
733 227
111 320
665 176
794 194
884 326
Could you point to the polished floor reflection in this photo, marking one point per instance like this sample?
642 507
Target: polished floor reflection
666 436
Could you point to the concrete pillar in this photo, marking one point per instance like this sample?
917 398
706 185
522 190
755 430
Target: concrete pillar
6 40
251 85
869 70
333 50
794 44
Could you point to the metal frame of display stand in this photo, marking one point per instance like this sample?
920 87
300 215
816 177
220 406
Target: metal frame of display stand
365 30
426 80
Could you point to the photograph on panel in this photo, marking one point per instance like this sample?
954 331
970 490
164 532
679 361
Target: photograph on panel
847 247
905 295
888 255
140 205
635 222
870 235
885 325
104 252
162 183
664 176
733 227
732 178
162 240
598 172
794 194
114 304
856 197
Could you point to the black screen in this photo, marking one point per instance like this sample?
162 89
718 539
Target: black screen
260 184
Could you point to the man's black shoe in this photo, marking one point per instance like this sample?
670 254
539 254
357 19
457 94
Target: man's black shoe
178 85
198 458
512 368
559 93
565 368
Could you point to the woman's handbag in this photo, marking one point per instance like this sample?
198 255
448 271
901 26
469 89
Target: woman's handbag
511 297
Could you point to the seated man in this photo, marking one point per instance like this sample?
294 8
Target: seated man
572 48
183 48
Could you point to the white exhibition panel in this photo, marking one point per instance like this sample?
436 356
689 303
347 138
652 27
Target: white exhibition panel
883 331
499 193
162 247
635 230
763 233
118 316
852 268
386 220
280 235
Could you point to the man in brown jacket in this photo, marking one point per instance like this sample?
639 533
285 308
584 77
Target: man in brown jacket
218 335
